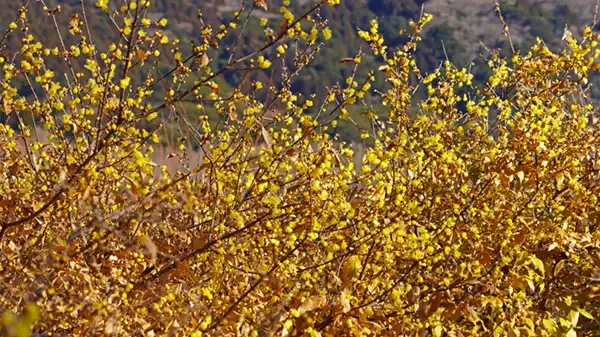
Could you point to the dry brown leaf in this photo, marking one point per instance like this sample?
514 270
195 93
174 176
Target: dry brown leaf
313 303
559 267
134 185
284 26
142 55
267 137
204 60
199 241
86 193
62 175
344 301
182 270
233 114
434 304
74 24
150 247
261 3
6 106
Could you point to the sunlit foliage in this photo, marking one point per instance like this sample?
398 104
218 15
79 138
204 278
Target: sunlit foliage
477 216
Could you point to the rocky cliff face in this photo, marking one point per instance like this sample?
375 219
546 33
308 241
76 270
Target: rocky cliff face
476 20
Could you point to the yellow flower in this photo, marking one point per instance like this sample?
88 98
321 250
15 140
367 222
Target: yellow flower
124 83
263 63
26 66
152 116
327 33
103 4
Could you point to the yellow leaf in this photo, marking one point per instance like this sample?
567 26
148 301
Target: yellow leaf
32 311
521 176
559 179
573 317
585 313
531 285
537 263
549 325
559 266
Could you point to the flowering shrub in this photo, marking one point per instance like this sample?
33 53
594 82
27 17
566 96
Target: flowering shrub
477 216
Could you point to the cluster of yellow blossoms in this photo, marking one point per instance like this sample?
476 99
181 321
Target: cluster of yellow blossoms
477 216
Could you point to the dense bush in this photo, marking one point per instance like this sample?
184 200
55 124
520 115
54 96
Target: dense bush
474 212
